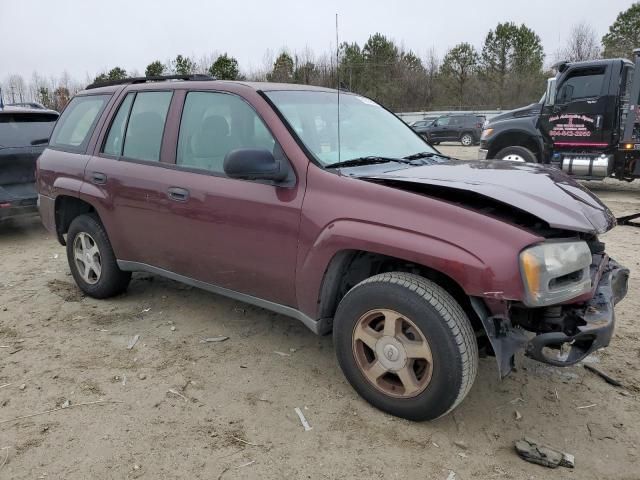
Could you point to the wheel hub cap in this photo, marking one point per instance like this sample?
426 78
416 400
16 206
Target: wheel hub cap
391 353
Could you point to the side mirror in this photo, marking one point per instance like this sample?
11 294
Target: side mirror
254 164
550 97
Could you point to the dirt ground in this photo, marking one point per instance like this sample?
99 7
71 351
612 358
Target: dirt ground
175 407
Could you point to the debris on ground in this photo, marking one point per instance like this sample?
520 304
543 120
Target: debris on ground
303 420
587 406
518 415
133 341
610 380
175 392
66 404
282 354
600 432
142 376
214 339
173 328
534 452
463 445
452 475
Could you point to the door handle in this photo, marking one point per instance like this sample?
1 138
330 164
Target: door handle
178 194
98 178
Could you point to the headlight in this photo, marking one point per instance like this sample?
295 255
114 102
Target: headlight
555 271
486 133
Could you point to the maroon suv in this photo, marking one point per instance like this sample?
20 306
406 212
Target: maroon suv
325 207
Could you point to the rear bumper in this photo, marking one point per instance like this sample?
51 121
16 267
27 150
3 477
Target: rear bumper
14 211
584 328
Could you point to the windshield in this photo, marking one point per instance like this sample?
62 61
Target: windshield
366 129
23 129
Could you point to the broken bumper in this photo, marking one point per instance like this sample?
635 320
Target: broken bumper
584 328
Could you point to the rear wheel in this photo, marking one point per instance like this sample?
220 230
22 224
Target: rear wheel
91 259
405 345
517 154
466 139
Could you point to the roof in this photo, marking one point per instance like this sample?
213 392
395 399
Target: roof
204 85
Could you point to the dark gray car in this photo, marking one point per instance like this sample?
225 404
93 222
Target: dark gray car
24 133
463 128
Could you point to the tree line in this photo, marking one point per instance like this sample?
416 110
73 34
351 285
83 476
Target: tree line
507 71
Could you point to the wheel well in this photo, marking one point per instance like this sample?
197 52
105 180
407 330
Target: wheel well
350 267
67 208
514 139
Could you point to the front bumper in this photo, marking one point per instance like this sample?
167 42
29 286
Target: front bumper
584 328
482 154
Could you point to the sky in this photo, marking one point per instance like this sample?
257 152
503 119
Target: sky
86 37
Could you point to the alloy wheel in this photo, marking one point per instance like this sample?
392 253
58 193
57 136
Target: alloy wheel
392 353
87 258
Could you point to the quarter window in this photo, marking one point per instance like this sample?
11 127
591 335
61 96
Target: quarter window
76 123
212 125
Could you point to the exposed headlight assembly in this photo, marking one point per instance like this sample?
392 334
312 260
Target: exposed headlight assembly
554 272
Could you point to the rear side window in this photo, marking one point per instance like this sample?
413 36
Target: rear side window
25 129
115 139
146 126
73 130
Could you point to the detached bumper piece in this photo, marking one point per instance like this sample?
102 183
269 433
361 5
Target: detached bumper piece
582 329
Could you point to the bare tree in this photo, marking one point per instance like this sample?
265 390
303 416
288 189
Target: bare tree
582 44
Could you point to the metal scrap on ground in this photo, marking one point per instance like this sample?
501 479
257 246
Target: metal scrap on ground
303 420
534 452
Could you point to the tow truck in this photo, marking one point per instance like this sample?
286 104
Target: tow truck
587 124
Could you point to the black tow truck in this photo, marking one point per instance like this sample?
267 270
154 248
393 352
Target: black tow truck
587 123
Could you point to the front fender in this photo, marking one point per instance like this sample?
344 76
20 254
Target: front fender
474 274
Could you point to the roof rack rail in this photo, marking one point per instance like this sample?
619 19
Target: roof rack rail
159 78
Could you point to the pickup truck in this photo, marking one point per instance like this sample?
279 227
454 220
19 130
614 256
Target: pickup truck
24 132
413 260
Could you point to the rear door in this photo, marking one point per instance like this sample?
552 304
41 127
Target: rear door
577 114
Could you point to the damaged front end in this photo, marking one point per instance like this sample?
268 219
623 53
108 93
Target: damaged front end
560 335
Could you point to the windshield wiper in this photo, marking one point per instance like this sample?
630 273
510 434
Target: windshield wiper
419 155
370 160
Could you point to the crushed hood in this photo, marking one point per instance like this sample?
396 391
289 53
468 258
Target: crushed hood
543 192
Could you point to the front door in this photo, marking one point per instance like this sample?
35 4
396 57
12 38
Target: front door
236 234
576 117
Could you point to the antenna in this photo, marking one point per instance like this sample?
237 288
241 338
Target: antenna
338 81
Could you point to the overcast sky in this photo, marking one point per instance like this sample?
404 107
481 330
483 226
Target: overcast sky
85 37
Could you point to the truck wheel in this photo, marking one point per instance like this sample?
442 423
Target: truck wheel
517 154
405 345
466 139
91 259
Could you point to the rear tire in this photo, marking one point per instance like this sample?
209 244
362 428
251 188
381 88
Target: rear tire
91 259
385 365
517 154
466 139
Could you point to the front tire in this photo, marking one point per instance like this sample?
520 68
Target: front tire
517 154
405 345
91 259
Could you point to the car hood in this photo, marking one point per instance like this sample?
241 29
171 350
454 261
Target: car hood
529 110
543 192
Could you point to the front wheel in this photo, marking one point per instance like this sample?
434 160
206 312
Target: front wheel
405 345
91 259
517 154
